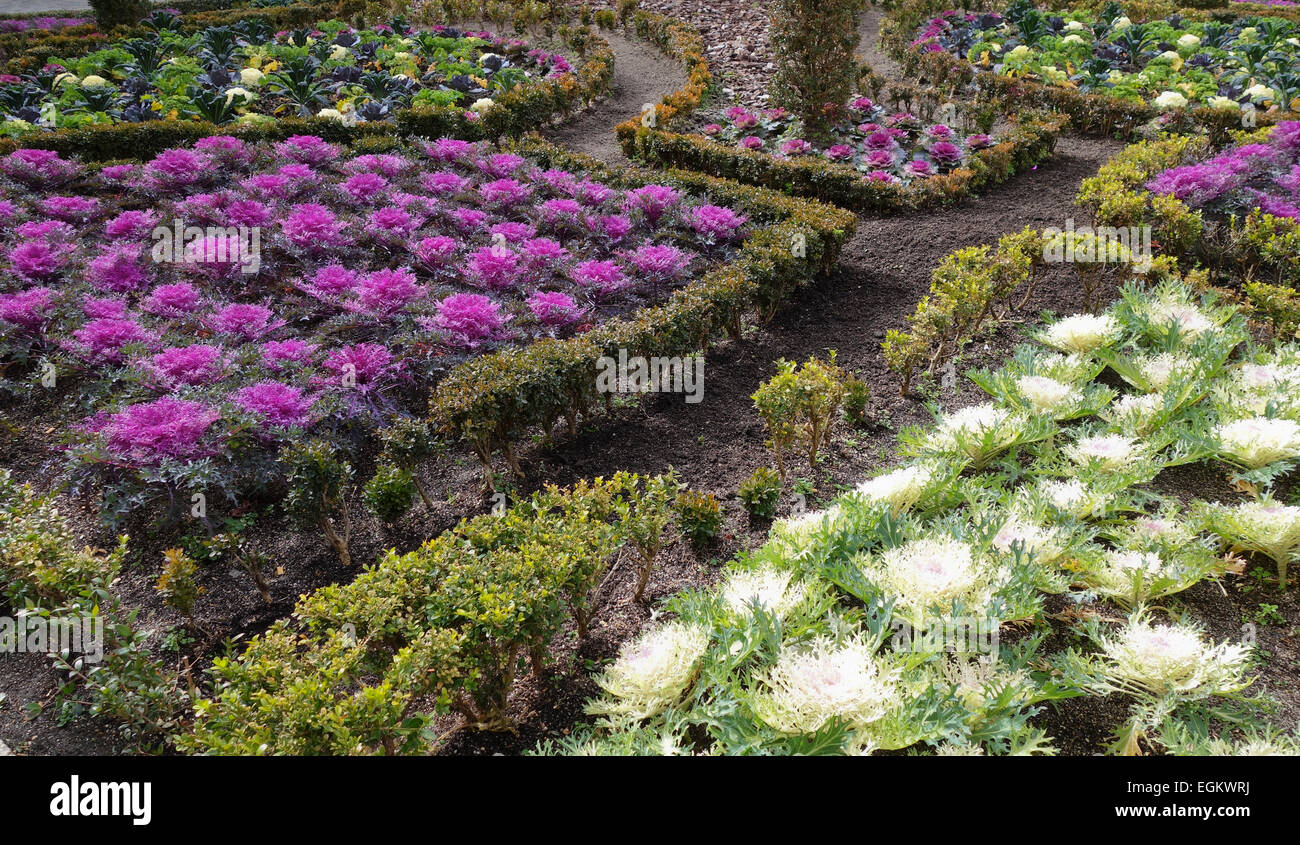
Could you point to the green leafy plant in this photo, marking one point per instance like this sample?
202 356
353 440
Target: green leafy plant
799 406
176 584
390 493
857 397
761 493
814 43
700 516
110 13
407 444
318 480
645 517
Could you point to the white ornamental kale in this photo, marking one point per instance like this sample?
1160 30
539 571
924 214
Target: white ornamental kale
1073 497
933 572
652 672
1158 660
1265 527
979 432
1081 333
1047 395
1190 320
902 488
1155 531
1159 370
1130 576
765 586
795 532
1105 451
1135 412
1046 545
1258 441
812 684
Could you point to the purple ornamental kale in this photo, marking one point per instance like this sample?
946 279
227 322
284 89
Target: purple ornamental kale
164 428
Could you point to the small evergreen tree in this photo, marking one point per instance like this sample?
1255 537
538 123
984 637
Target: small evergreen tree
815 44
111 13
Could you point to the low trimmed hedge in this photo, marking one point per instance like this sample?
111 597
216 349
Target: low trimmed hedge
521 110
493 400
363 668
1032 141
1098 113
1029 142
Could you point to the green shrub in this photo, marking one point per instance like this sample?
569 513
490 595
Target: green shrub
799 406
176 584
365 667
761 493
40 563
318 481
111 13
815 46
857 396
967 289
700 516
390 493
407 444
1279 305
43 571
645 517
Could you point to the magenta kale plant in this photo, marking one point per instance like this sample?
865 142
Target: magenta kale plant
373 273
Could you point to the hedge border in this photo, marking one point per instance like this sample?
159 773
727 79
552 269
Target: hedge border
1096 113
1263 248
1032 141
522 110
493 400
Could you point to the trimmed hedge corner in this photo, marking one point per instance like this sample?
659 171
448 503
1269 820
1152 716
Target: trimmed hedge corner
493 400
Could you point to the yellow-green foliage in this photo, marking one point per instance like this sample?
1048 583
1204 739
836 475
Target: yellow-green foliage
799 406
363 667
41 564
966 289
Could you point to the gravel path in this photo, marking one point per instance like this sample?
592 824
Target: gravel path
641 75
735 39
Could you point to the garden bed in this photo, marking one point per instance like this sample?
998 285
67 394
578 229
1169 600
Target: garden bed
134 102
484 250
1138 83
247 73
507 621
912 166
926 548
1233 211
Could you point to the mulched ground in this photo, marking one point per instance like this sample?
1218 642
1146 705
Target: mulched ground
713 446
